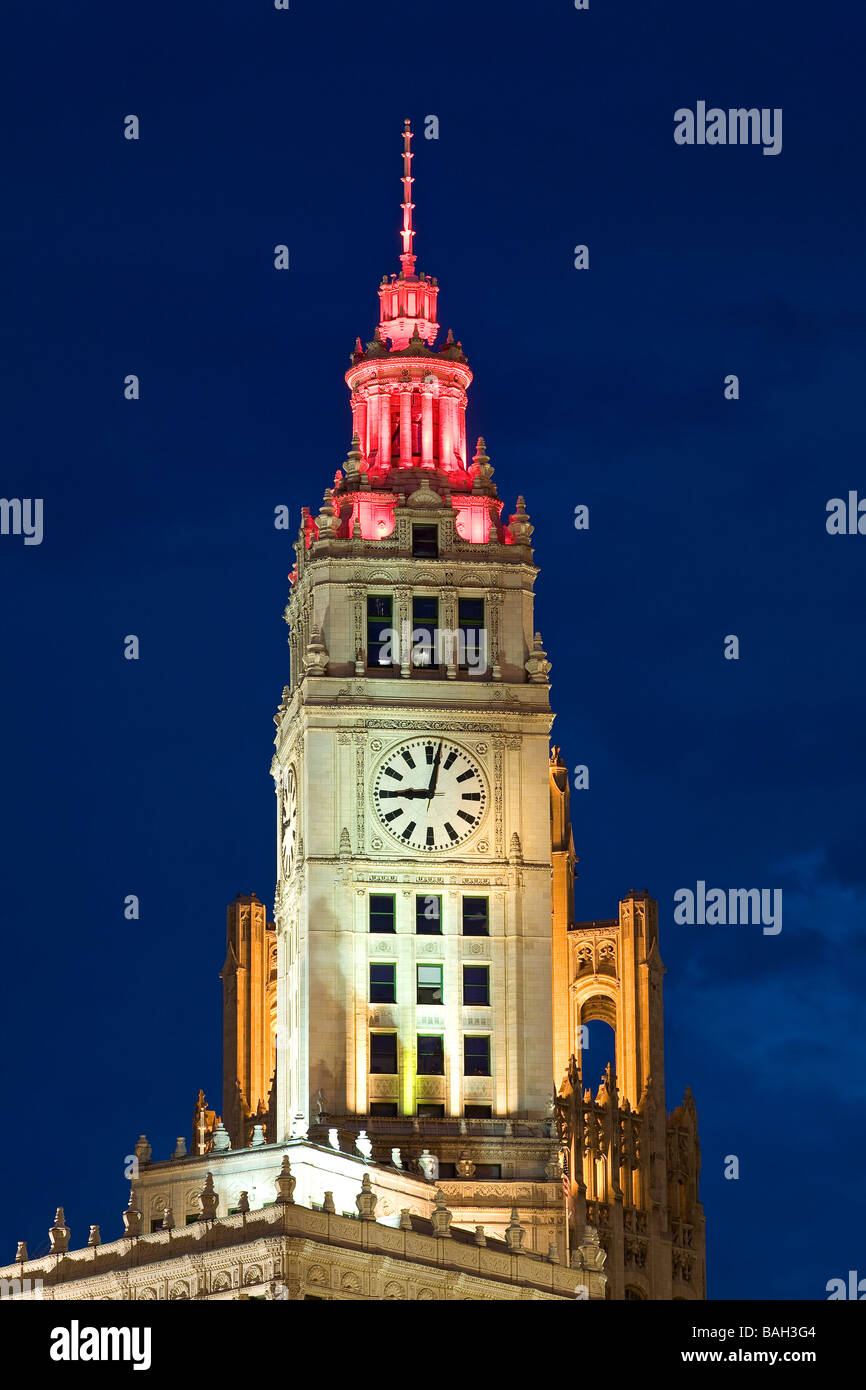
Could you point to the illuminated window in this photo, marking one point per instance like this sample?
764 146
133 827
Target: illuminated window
425 542
431 1054
476 984
478 1112
380 626
383 1054
383 984
475 917
429 984
428 914
476 1056
382 912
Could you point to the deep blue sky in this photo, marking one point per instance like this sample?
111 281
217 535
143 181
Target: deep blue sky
604 388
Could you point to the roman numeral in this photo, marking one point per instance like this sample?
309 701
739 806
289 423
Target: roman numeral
452 758
429 837
464 776
392 815
389 772
467 796
407 757
451 831
408 831
464 815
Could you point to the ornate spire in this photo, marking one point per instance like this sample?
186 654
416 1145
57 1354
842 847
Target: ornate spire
407 257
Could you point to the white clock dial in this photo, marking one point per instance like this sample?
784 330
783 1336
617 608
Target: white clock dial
289 823
429 794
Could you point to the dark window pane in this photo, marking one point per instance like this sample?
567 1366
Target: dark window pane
476 1056
470 612
381 912
487 1171
433 1112
379 630
387 1108
425 543
428 914
382 984
476 984
431 1055
383 1053
425 624
475 917
470 621
478 1112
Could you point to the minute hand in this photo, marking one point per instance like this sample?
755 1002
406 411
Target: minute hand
435 777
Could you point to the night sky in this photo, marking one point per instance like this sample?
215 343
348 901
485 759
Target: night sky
601 387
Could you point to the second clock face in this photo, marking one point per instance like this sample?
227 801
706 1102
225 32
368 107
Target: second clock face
429 794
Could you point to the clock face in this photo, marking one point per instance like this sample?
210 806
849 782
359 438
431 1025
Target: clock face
289 826
429 794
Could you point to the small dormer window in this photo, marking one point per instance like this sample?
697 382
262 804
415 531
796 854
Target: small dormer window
425 542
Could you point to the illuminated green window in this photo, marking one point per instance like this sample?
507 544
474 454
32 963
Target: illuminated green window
382 912
431 1054
383 983
380 627
470 622
476 1056
476 984
476 917
428 914
383 1054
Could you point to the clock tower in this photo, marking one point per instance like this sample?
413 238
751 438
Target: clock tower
413 905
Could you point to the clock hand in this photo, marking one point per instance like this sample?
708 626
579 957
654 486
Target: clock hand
435 775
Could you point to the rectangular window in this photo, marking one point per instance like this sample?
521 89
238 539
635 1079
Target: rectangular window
476 1056
425 542
380 630
476 984
382 912
475 917
431 1054
473 641
429 984
383 984
425 630
432 1112
386 1108
478 1112
383 1054
428 914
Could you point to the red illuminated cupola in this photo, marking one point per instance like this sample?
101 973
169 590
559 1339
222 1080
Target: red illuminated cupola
409 398
409 422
